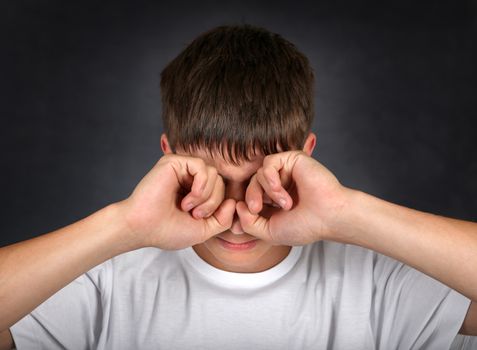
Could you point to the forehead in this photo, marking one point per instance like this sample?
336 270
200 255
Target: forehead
232 172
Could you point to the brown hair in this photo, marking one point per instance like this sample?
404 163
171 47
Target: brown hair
238 90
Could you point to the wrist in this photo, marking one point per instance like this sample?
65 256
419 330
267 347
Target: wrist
342 225
124 237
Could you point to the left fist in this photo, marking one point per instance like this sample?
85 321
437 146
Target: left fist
309 195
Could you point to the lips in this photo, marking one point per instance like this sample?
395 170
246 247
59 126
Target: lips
240 246
238 243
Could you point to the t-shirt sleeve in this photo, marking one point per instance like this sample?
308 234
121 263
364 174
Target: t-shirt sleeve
69 319
413 310
464 342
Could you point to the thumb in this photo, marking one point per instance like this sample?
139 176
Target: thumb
221 220
253 224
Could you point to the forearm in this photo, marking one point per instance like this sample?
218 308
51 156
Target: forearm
443 248
33 270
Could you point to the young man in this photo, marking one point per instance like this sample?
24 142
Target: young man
237 238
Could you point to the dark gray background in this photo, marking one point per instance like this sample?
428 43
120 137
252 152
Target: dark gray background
396 104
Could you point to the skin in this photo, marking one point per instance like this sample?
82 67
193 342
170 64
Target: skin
237 179
158 214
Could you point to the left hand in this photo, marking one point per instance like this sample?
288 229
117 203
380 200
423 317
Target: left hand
310 196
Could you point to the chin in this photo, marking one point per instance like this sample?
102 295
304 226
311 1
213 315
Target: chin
235 261
246 259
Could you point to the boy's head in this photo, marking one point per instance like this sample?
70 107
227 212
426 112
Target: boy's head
233 96
238 90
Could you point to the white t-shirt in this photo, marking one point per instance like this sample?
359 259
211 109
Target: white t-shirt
321 296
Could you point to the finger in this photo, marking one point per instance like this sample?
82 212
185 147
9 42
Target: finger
251 223
221 220
279 167
254 195
275 176
207 208
267 201
202 187
188 171
268 178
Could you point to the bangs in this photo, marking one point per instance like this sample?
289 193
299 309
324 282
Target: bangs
239 143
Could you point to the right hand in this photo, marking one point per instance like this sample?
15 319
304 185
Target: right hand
179 203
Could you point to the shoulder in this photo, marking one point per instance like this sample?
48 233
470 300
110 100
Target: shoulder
341 263
128 264
344 255
142 258
339 255
358 264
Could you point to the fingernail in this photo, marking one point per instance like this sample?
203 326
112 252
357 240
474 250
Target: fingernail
189 206
201 214
282 202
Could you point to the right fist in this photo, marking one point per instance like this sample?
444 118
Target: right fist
179 203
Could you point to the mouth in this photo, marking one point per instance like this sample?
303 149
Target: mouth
237 245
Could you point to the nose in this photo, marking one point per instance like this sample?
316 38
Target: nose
236 191
236 228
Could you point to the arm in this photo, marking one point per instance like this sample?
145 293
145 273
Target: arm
469 327
33 270
443 248
6 340
317 207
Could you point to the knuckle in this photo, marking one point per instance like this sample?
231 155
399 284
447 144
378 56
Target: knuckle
208 208
197 192
253 180
212 170
175 162
259 173
268 159
269 173
212 174
271 156
220 181
165 159
202 193
200 162
219 189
